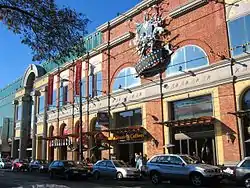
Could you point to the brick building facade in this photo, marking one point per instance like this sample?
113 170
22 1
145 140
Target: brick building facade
194 108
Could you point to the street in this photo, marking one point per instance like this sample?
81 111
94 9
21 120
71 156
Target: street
35 180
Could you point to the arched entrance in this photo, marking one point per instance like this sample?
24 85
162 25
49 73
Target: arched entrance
245 106
51 148
63 148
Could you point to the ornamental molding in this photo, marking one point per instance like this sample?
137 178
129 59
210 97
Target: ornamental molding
183 9
130 13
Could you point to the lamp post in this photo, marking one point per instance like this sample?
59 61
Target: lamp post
80 122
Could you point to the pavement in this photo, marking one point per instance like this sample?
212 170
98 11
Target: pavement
10 179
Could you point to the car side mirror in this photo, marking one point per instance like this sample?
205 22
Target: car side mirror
183 164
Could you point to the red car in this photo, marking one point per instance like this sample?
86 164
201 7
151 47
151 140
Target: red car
20 165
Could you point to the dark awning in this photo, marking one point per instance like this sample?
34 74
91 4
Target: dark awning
205 120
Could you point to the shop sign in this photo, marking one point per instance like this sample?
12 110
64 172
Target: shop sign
60 142
153 51
127 137
103 118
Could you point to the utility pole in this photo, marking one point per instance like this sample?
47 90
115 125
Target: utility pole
109 83
162 112
80 123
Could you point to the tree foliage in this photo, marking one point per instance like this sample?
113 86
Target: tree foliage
50 32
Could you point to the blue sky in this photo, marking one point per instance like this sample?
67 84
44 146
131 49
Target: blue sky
15 57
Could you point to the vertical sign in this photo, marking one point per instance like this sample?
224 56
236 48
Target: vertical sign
78 77
50 89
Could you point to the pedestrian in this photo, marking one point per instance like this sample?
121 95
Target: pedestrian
136 161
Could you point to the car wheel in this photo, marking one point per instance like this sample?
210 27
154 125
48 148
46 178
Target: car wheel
97 175
119 176
51 175
247 182
155 178
196 179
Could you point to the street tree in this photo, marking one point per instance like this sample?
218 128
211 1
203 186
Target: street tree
50 31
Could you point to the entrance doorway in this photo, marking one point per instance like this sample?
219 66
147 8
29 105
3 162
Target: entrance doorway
199 144
126 151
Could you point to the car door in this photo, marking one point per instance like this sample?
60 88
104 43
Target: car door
110 169
102 168
178 169
54 167
243 169
60 168
163 166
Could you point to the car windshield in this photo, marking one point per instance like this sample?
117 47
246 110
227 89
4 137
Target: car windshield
69 164
120 164
188 159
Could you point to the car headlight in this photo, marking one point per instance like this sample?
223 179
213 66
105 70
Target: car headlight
42 167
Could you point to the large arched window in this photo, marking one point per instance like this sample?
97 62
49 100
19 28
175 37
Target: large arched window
126 79
187 58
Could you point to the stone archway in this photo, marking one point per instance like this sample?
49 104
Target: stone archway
27 143
62 149
51 148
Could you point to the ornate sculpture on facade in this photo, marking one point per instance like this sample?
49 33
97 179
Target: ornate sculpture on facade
150 43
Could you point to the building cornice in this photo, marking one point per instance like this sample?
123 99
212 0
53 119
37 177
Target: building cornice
191 5
129 14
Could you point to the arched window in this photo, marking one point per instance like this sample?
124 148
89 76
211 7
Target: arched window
187 58
126 79
246 100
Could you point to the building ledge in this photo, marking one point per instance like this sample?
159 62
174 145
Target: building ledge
194 4
129 14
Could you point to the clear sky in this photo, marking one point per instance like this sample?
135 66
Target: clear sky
15 57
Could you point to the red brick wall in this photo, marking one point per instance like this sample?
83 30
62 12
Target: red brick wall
205 27
228 121
154 129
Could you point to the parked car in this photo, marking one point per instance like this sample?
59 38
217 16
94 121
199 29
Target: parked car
181 167
39 166
5 163
241 172
115 169
67 170
20 165
87 166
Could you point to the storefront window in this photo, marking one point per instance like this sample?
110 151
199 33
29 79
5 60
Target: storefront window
129 118
192 108
19 112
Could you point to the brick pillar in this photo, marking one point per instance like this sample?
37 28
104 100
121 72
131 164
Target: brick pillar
228 124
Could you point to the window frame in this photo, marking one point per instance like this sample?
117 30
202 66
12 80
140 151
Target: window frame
187 61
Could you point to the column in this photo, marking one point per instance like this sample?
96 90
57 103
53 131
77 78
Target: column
13 143
35 95
45 126
25 124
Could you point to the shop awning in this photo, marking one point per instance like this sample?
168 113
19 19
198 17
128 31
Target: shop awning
205 120
240 113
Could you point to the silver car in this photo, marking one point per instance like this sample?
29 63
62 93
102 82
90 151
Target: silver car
115 169
181 167
241 172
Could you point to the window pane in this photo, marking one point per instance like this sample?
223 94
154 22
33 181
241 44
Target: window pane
247 25
177 61
99 83
19 112
246 101
237 35
65 95
41 104
131 79
119 80
195 57
61 96
83 89
129 118
91 86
